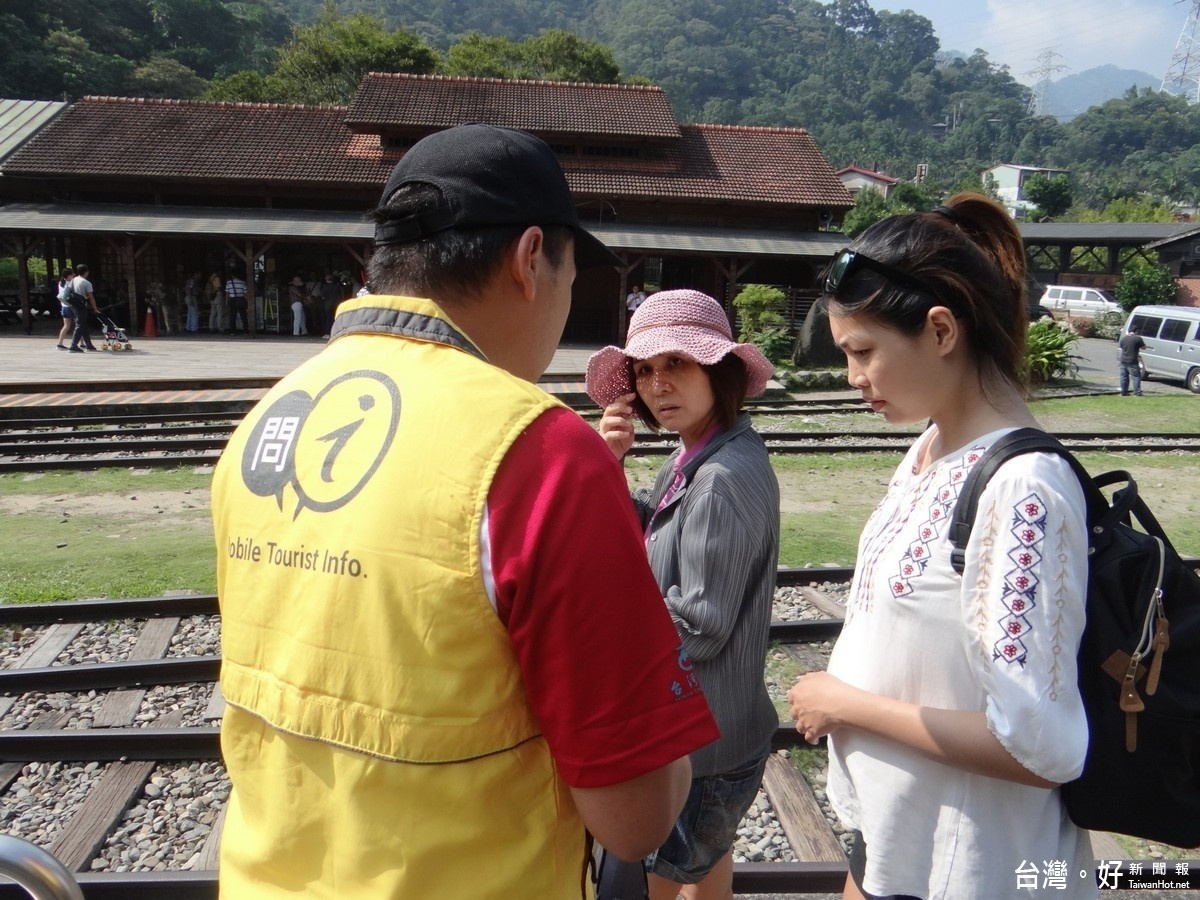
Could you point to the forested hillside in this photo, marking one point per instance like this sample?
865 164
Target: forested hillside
870 85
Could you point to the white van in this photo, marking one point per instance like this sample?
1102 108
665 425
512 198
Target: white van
1172 337
1078 301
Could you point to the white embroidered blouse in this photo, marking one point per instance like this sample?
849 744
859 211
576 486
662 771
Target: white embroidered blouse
1001 639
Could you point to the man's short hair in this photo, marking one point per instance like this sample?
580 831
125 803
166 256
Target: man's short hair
452 264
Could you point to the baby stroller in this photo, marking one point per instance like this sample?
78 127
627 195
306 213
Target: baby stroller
114 337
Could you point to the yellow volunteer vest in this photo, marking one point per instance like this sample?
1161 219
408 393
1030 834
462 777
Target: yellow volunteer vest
377 735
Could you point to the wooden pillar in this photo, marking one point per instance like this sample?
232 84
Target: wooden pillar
128 260
23 244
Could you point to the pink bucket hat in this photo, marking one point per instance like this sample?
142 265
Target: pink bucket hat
685 322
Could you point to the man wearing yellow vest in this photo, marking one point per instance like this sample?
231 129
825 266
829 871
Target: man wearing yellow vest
446 660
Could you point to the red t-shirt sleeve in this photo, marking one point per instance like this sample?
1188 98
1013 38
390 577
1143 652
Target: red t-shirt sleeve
602 664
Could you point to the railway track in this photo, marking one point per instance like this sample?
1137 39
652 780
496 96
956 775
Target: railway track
71 719
180 439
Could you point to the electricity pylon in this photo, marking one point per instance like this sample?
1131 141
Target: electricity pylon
1046 67
1183 75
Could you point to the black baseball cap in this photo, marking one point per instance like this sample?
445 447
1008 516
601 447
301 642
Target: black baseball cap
488 175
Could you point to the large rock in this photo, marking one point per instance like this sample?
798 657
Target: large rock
815 348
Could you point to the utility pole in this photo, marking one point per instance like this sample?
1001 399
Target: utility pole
1045 68
1183 75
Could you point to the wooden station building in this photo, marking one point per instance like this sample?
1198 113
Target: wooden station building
149 191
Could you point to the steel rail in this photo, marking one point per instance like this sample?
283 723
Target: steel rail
108 744
108 675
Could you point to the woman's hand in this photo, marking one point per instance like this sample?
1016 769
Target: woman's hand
616 425
814 702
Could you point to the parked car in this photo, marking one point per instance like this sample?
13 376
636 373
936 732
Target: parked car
1078 301
1172 338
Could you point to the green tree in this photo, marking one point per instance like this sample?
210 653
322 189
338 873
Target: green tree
763 324
324 62
1146 283
161 76
1051 195
869 207
554 55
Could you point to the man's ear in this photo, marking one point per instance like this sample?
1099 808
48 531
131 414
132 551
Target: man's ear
944 328
527 259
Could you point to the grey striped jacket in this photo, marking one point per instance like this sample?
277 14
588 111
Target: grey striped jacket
714 549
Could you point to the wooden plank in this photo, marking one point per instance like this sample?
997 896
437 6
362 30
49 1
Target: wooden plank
122 782
46 649
87 829
800 815
216 704
1106 846
6 703
210 853
831 608
120 707
155 638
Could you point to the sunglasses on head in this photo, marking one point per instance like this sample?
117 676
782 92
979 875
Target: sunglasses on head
847 262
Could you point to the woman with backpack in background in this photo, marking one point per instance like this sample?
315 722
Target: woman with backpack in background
65 277
951 703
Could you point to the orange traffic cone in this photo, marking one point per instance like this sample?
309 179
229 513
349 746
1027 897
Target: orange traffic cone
150 330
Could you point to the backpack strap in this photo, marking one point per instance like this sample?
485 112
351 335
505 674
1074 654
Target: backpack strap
1017 443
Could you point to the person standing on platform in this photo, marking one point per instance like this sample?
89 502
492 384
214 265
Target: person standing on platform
441 640
296 302
83 301
191 301
331 296
235 293
218 307
65 308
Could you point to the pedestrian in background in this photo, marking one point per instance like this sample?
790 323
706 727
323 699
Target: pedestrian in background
1129 369
66 310
83 300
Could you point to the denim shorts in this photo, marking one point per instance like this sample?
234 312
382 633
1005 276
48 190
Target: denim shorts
66 311
708 824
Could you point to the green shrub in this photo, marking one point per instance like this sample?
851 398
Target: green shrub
1108 325
763 324
1143 282
1048 351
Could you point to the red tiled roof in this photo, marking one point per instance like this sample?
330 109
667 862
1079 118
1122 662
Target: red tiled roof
118 137
722 163
228 143
386 101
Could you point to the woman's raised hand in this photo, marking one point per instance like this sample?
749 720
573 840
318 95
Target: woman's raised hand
616 425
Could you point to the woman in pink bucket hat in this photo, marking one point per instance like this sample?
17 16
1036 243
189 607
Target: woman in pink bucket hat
711 522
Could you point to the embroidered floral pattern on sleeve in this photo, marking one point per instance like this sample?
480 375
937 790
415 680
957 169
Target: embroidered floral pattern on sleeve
912 563
1021 581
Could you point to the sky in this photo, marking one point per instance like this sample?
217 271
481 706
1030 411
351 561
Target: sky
1130 34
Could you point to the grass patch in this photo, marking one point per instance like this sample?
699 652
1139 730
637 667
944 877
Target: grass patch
811 761
110 533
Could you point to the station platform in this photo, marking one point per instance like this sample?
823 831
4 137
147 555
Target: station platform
170 362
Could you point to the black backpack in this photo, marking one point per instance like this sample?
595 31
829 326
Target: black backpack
1139 658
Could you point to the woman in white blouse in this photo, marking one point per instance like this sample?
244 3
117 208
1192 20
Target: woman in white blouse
951 702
